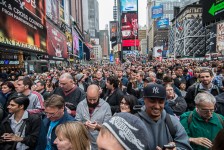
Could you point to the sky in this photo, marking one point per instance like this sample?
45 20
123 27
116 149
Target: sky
106 12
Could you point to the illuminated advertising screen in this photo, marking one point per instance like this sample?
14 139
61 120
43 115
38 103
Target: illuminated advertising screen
52 10
157 11
113 29
23 24
162 23
212 10
129 28
61 10
57 46
220 38
75 42
129 5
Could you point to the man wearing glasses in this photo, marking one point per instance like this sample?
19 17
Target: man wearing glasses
55 114
202 124
93 112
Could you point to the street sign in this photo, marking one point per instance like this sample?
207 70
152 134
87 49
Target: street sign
212 10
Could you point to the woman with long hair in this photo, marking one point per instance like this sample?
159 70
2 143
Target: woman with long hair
72 136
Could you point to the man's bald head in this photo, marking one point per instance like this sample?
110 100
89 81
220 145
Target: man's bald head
93 89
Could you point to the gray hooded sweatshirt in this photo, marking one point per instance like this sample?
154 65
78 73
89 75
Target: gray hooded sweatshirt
160 132
100 114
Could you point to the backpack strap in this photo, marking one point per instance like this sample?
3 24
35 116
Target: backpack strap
189 119
170 125
217 89
196 89
220 120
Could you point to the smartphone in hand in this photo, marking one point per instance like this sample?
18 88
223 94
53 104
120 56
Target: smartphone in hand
169 146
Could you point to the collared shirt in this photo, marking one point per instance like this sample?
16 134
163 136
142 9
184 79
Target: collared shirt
15 128
201 87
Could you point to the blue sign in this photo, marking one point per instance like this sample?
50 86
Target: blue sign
129 5
162 23
111 58
157 11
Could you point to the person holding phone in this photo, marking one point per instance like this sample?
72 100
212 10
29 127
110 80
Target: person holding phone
93 112
156 119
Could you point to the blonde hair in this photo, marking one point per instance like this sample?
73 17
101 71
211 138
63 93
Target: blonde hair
76 133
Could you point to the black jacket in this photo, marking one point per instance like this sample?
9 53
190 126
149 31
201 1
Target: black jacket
220 104
45 94
72 98
193 90
32 129
114 99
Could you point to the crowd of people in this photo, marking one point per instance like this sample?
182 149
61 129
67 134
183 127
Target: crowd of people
148 105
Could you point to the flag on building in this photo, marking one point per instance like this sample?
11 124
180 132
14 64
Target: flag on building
178 26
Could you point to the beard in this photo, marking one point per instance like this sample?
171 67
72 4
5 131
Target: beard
94 105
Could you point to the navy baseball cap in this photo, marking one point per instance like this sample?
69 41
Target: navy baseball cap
154 91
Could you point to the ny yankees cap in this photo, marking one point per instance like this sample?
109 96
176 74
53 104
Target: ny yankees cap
154 91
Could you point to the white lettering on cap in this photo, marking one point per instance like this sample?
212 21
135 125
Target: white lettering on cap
155 90
126 131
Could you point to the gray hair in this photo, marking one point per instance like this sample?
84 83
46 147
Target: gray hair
204 97
152 74
67 76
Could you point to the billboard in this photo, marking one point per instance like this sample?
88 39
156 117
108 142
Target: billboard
113 29
75 42
61 10
220 38
129 28
162 23
129 5
212 10
157 11
56 45
127 43
23 24
52 10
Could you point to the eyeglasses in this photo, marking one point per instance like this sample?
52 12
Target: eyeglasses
206 110
50 115
123 103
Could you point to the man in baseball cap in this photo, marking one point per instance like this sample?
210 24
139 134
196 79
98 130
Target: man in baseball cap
155 118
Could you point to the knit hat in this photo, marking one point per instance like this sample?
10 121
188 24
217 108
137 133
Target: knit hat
129 130
78 77
154 91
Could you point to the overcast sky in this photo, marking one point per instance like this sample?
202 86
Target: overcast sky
106 12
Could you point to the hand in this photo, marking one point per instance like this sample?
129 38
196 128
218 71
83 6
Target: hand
93 125
201 141
10 137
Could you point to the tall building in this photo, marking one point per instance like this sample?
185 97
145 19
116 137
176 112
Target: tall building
91 17
159 36
104 42
187 35
188 2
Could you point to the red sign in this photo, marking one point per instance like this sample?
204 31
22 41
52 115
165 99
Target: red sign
159 51
130 43
56 45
